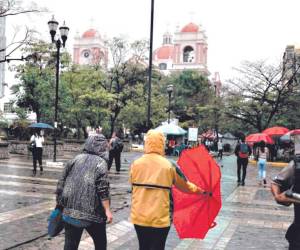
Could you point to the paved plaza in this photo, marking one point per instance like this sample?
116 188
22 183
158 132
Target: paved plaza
249 218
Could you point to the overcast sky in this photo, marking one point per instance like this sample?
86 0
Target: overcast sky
237 30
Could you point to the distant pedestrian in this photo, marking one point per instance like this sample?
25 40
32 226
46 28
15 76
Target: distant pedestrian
115 150
207 144
262 156
83 194
152 177
242 152
220 149
37 141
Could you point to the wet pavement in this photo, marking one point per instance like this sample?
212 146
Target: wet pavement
249 218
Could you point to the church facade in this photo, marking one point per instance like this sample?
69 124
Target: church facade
90 49
186 49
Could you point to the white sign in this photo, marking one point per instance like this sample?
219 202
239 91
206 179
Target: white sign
297 144
193 134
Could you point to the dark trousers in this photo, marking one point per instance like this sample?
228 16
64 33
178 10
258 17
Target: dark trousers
37 154
73 235
220 154
117 156
151 238
293 235
242 163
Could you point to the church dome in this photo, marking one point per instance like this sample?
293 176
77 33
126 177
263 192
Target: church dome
164 52
191 27
91 33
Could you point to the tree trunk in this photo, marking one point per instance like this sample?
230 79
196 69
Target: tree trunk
38 116
112 125
85 133
78 127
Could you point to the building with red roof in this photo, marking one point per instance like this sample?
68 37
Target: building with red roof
89 48
186 49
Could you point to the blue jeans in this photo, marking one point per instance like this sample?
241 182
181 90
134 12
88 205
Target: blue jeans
261 164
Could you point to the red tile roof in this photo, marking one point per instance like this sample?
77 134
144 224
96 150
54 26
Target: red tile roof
164 52
191 27
89 33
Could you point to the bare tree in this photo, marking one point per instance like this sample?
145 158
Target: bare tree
259 93
10 8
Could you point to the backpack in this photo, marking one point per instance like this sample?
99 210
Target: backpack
244 151
118 145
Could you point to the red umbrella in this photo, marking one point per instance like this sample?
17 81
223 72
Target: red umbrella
294 132
259 137
194 214
287 136
208 134
276 131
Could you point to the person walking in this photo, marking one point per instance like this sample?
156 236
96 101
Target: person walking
242 152
152 177
115 150
37 141
220 149
262 155
289 178
83 194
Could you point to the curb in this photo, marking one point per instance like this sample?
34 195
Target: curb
272 164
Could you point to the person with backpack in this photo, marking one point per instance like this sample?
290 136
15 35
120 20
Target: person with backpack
242 152
289 179
115 150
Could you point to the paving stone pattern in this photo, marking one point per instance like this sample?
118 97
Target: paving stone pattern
249 218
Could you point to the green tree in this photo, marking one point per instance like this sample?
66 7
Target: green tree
125 77
86 100
194 97
134 115
35 90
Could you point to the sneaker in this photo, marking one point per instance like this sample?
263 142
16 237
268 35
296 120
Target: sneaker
243 183
33 173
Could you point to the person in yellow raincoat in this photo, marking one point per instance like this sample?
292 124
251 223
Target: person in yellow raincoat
152 177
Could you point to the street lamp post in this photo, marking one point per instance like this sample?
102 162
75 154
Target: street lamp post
169 90
60 41
150 66
216 115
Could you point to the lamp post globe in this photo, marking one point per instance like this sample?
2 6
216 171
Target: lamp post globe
60 41
169 90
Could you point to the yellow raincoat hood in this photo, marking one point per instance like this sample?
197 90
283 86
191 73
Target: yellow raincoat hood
154 142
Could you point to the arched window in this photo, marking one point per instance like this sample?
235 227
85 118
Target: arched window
162 66
188 54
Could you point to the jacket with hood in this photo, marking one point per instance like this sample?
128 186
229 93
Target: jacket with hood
84 182
152 177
